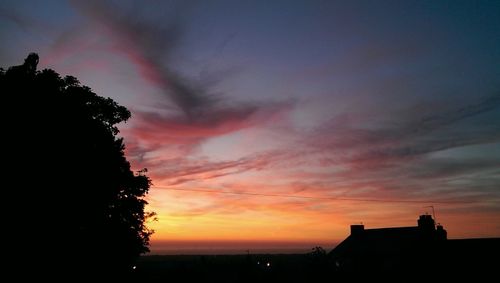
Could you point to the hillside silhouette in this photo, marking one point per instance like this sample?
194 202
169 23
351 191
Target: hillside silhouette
75 206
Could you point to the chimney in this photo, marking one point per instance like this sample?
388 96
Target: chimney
426 223
357 229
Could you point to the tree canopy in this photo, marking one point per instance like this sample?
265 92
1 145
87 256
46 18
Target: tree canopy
75 196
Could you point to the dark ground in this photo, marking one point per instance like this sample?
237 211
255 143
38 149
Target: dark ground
232 268
476 260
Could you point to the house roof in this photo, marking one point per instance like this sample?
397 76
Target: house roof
421 250
379 241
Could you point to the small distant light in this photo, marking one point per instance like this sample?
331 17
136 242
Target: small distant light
258 262
134 267
268 264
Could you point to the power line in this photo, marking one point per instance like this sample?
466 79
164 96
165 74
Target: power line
321 198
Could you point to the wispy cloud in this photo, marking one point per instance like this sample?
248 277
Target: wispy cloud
409 135
149 47
343 156
190 113
181 170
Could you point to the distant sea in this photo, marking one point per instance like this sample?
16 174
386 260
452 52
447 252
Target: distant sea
233 248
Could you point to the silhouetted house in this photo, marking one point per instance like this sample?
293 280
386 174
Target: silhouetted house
382 250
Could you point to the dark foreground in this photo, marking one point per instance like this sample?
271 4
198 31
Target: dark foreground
233 268
476 260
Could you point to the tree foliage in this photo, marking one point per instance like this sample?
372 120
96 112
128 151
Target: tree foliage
76 196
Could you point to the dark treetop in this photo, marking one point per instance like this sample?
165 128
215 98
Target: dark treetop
74 205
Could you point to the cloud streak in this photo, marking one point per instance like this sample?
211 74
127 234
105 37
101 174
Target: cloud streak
343 157
414 134
148 46
192 114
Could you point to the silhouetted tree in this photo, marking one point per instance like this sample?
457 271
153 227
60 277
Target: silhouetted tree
318 252
75 197
318 264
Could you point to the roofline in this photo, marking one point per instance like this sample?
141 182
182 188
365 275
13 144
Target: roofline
392 228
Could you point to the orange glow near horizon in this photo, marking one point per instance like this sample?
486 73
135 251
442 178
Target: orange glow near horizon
220 223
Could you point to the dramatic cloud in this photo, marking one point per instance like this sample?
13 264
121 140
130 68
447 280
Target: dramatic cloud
421 155
148 46
413 134
154 130
179 171
344 157
197 115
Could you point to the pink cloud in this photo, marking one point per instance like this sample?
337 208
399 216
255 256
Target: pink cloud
162 135
173 172
197 115
216 122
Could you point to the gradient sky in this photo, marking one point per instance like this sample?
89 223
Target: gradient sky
391 101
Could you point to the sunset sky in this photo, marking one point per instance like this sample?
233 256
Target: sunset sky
274 125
